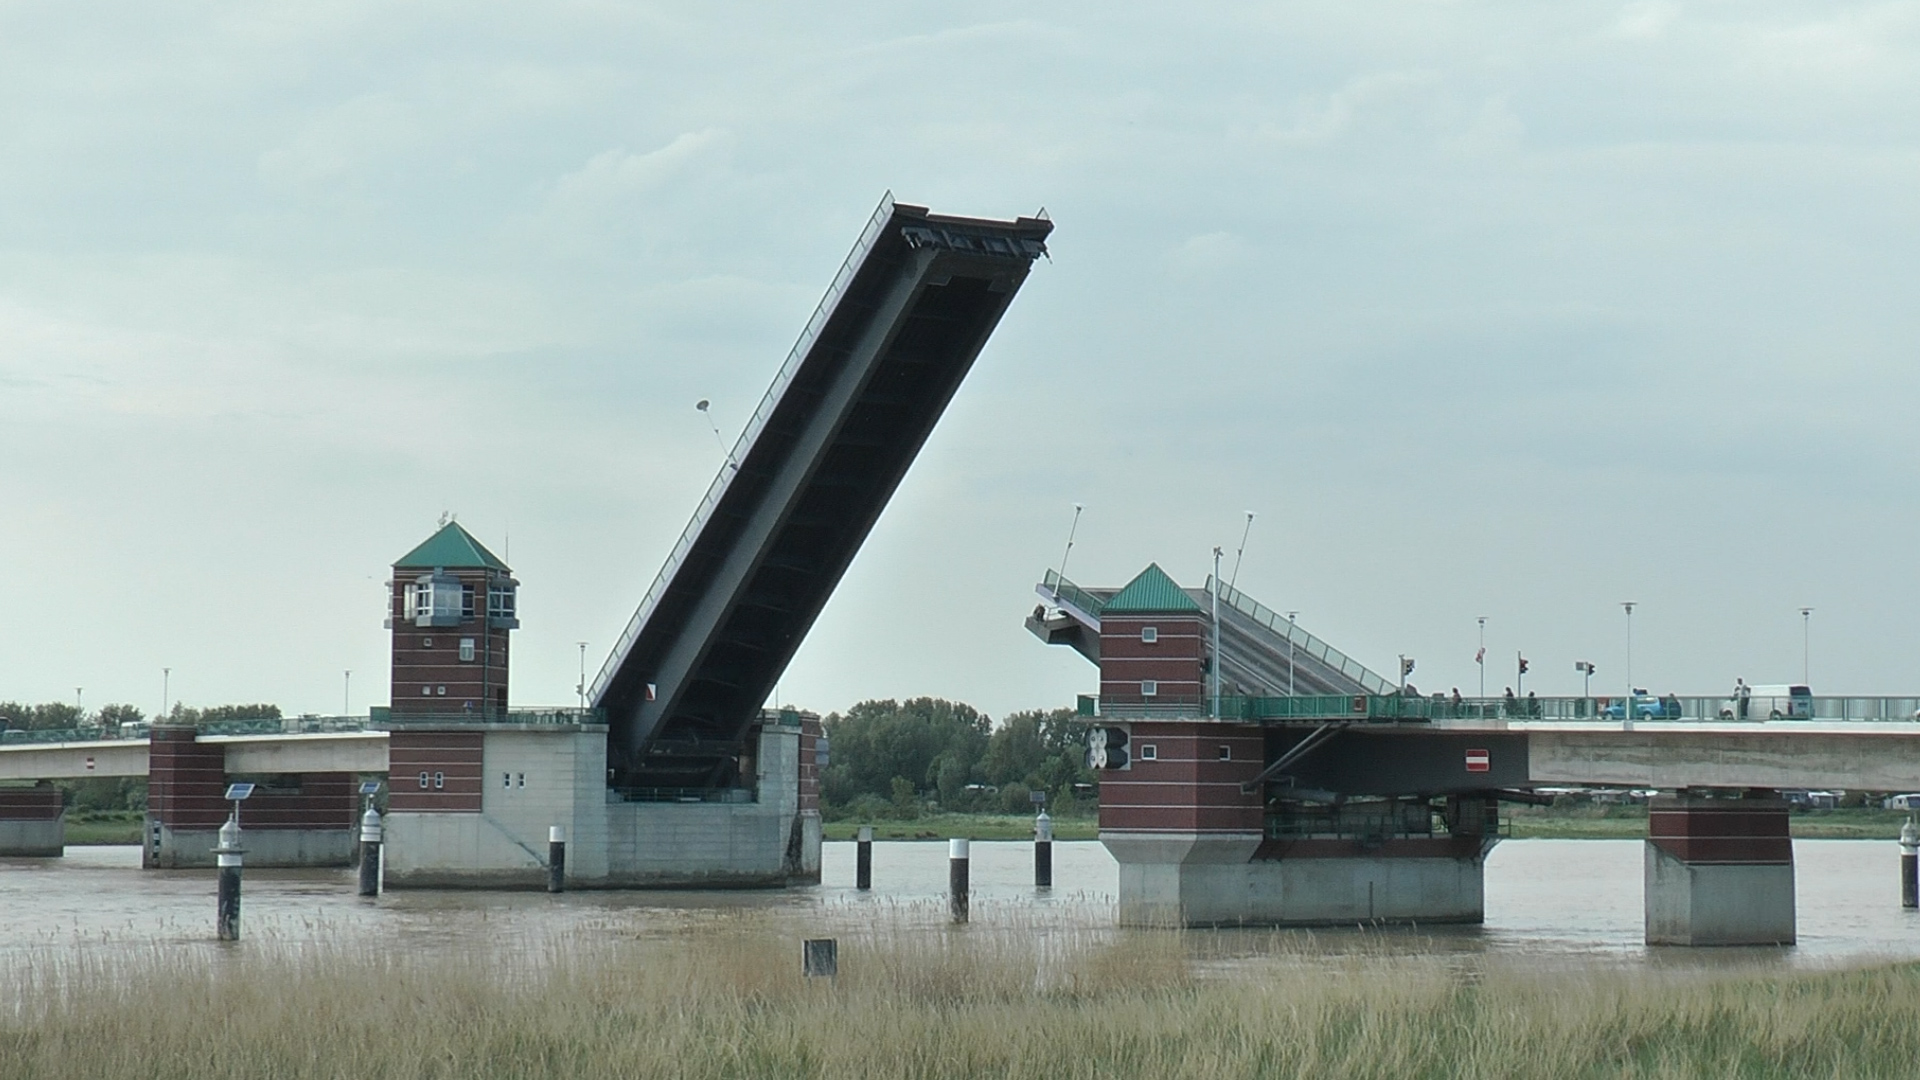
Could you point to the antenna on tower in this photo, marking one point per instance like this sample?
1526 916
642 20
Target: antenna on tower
445 516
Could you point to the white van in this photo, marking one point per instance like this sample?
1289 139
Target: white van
1902 802
1784 701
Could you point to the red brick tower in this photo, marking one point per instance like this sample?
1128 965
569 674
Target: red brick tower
1153 645
451 606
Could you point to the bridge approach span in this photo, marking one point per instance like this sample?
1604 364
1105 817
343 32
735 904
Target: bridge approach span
846 415
329 752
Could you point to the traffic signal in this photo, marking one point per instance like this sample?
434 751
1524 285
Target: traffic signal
1107 748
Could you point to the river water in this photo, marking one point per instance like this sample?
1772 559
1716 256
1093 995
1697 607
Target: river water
1548 903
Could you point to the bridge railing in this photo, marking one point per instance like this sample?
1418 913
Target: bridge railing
1302 641
1398 708
384 718
1067 592
138 732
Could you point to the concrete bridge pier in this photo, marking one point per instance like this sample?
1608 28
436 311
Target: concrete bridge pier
1719 871
32 821
298 819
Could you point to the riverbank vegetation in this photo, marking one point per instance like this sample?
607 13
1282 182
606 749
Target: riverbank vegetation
899 761
725 998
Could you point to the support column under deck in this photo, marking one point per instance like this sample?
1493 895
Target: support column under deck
1719 871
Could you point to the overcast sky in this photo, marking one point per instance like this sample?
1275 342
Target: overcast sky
1514 310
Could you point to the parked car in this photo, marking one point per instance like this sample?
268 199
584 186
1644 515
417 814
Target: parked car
1645 707
1910 803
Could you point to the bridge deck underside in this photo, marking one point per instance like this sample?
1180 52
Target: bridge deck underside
806 492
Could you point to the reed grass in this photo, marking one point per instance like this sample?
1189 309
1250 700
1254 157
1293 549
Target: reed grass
724 998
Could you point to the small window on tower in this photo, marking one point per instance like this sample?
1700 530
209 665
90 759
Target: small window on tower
1149 687
466 601
1149 752
466 650
1149 634
1226 753
426 691
442 691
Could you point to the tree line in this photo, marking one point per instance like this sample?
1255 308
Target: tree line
60 716
897 759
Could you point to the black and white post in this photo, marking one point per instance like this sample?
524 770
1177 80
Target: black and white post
863 860
957 879
1909 865
556 858
370 851
1043 851
227 911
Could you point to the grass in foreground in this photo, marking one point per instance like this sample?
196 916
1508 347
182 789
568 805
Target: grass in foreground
727 1001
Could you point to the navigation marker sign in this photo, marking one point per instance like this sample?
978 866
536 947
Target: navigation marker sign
1478 761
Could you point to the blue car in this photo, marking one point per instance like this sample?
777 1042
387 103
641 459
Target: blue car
1645 707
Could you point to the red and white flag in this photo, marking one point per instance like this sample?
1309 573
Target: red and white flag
1480 657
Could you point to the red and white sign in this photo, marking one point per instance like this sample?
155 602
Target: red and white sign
89 764
1478 761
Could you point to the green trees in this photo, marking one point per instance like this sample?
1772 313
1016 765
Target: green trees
887 758
52 716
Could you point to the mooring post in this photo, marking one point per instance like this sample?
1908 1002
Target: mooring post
227 912
1043 851
957 879
556 858
863 860
1909 865
370 851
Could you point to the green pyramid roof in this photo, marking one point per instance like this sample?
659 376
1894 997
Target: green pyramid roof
1153 590
452 547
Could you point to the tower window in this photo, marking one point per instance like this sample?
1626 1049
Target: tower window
1149 634
500 602
1149 687
466 650
426 691
442 691
466 601
1149 752
1226 753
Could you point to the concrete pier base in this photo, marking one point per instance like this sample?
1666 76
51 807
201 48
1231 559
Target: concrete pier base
473 806
33 823
1243 880
1719 872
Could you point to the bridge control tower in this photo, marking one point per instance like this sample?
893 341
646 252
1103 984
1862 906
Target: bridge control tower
451 604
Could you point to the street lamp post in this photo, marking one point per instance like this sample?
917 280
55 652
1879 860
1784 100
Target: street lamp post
346 692
166 680
1290 618
1629 605
582 687
1216 633
1806 646
1481 657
